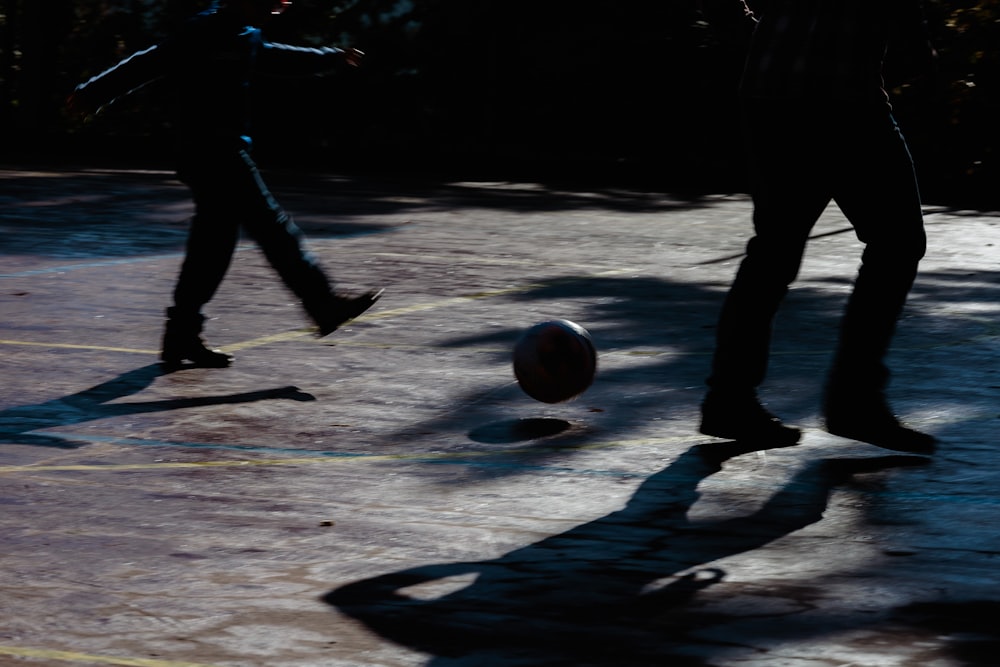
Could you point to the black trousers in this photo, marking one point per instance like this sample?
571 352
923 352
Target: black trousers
800 159
230 195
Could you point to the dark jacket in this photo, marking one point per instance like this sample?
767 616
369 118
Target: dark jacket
208 64
828 50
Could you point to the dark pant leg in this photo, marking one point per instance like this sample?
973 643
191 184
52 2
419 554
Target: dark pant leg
877 191
212 239
790 192
281 241
229 193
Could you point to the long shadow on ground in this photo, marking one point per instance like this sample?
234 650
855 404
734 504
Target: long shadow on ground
18 423
588 597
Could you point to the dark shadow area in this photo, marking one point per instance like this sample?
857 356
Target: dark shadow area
17 424
382 192
124 214
593 596
117 213
519 430
496 90
969 628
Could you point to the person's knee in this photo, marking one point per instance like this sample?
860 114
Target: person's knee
900 249
773 260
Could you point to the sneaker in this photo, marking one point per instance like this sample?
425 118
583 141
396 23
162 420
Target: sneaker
869 419
344 309
741 417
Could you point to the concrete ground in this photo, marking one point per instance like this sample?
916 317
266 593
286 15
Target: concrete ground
388 496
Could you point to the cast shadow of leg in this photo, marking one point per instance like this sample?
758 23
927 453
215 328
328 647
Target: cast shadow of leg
583 597
18 423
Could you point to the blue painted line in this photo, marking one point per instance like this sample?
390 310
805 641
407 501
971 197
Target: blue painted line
473 459
89 265
141 442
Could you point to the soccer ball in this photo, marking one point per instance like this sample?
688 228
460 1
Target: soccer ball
555 361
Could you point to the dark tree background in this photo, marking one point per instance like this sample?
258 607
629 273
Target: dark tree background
608 91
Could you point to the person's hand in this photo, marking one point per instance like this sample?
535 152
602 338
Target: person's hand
353 57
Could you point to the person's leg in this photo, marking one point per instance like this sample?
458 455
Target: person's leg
879 195
283 244
773 257
212 239
789 194
211 243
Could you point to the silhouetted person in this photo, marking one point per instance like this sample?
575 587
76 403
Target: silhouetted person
819 127
208 63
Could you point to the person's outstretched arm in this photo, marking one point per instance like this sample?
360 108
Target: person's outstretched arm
278 59
127 76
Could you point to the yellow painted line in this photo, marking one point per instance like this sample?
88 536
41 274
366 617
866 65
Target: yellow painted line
301 333
499 261
451 301
266 340
72 656
70 346
414 346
